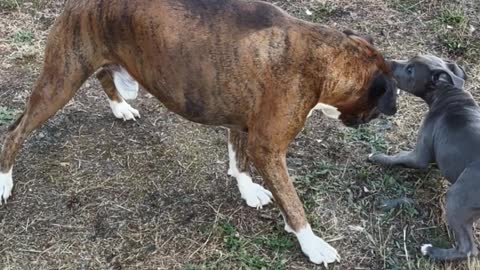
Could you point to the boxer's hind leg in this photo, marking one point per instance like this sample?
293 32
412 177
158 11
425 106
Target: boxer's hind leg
116 82
63 73
254 194
463 209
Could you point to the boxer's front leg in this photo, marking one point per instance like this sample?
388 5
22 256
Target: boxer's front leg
254 194
268 153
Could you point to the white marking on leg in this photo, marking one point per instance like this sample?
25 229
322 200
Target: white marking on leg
316 249
425 248
123 110
232 169
6 185
254 194
125 84
328 110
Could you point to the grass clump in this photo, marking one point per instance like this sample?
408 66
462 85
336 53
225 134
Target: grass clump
7 116
453 30
23 37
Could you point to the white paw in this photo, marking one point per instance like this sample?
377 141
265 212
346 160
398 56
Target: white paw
254 194
424 249
6 185
257 196
123 110
317 250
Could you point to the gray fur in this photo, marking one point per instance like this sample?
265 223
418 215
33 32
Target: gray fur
450 137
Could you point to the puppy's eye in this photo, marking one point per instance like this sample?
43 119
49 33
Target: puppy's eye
410 69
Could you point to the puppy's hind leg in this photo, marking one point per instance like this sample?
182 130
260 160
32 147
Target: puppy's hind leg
463 209
254 194
119 85
64 71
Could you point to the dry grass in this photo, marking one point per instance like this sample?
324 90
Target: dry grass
96 193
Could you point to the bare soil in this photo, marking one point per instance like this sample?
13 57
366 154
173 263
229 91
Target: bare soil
94 192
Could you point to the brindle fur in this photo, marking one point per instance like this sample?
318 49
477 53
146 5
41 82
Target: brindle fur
245 65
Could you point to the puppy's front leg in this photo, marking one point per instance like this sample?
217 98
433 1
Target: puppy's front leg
408 159
269 157
417 159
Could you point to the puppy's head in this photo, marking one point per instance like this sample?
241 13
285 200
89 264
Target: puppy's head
415 75
377 93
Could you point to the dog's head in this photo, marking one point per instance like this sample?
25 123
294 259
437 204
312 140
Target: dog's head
369 88
415 75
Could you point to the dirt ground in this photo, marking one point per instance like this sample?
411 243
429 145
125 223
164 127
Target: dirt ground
94 192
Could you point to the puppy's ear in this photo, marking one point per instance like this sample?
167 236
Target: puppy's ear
368 38
440 75
387 89
457 70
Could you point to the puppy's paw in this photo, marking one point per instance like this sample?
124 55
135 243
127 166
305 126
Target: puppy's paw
424 249
123 110
6 186
316 249
376 158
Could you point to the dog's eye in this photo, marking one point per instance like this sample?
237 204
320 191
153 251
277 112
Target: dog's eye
410 69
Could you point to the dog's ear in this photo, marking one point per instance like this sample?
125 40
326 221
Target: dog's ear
441 75
457 70
368 38
386 88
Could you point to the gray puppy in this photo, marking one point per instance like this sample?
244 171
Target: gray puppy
449 136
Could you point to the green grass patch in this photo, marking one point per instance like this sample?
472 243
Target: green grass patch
278 243
245 253
459 44
452 28
231 240
321 12
23 37
9 4
312 185
403 5
452 17
371 136
7 116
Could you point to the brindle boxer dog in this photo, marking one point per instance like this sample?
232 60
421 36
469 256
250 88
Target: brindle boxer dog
244 65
